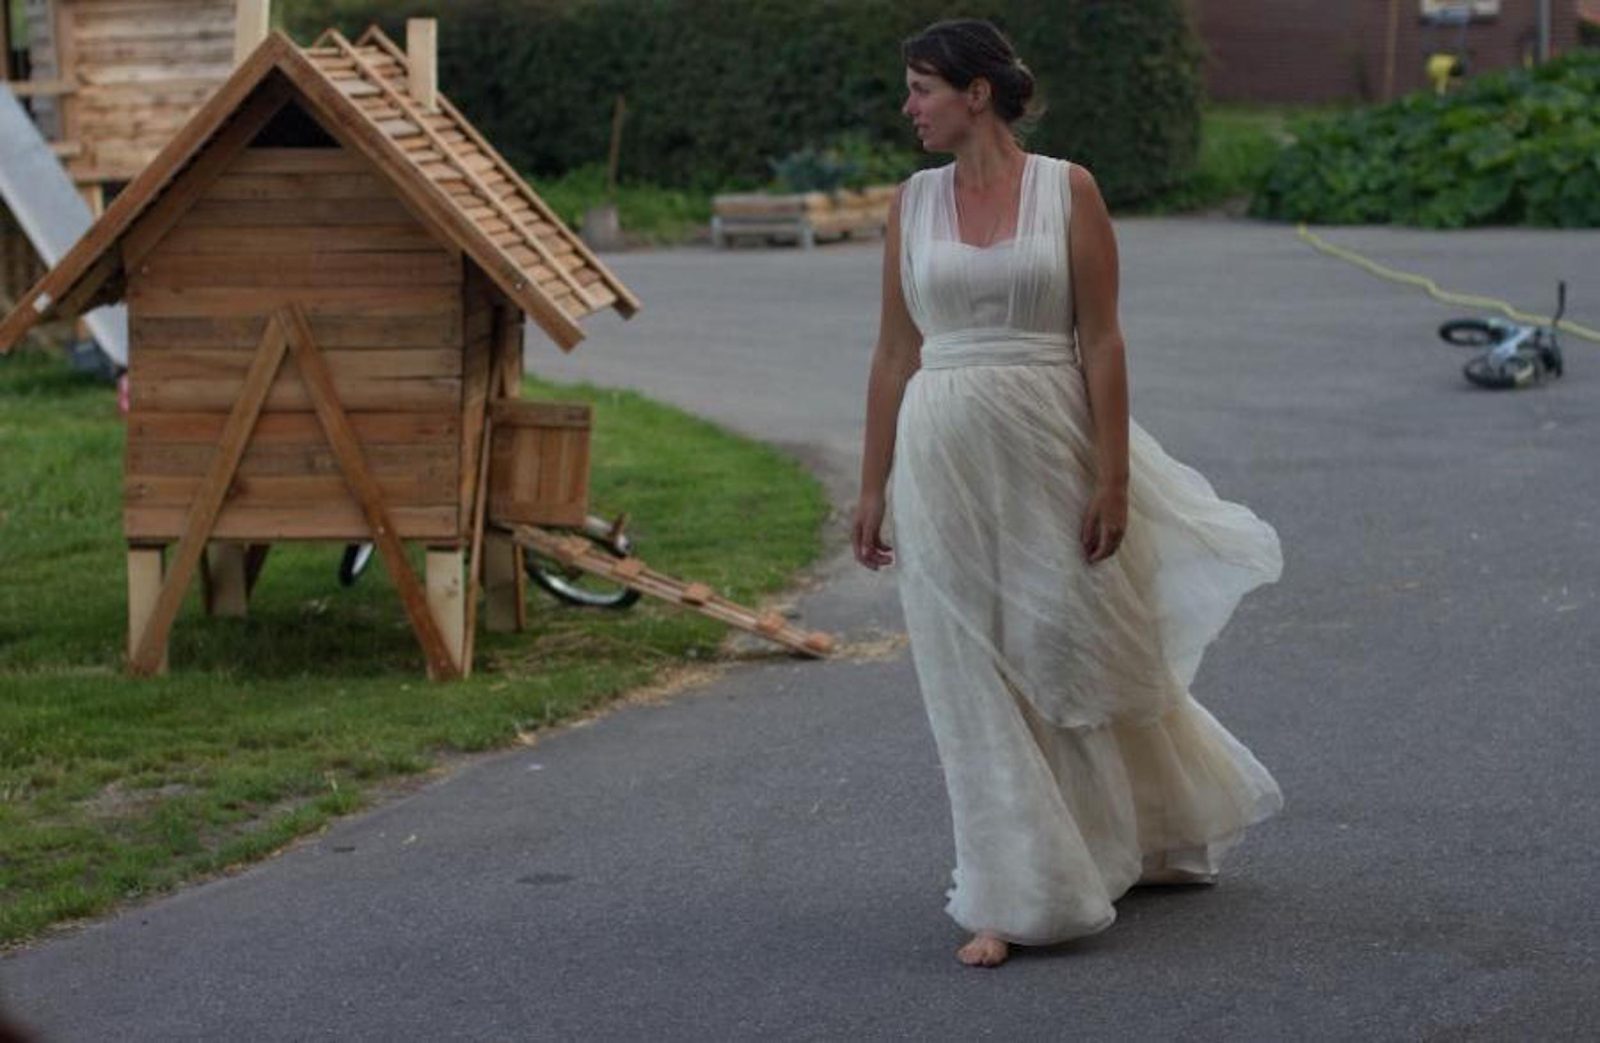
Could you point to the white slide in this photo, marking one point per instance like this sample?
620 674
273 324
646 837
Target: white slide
53 216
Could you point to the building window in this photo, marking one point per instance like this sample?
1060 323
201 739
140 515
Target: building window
1454 10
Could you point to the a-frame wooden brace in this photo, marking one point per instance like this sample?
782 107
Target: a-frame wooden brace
286 330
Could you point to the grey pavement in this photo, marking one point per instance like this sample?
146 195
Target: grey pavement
765 855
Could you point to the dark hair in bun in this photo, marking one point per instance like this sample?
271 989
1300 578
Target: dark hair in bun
961 50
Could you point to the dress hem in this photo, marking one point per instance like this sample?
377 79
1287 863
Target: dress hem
1269 806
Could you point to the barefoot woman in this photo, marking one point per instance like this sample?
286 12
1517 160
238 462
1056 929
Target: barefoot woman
1060 574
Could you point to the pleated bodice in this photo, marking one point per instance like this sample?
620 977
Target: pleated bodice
1008 303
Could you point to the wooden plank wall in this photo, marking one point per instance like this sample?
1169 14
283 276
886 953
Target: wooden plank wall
144 67
42 62
316 227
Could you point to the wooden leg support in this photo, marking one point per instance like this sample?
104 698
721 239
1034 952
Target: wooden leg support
227 582
504 592
447 602
145 566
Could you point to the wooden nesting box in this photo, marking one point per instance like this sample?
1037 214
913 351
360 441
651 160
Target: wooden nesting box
326 275
539 463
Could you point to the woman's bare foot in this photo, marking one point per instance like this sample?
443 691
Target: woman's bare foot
985 950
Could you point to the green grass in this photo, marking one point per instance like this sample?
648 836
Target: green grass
647 213
113 788
1237 147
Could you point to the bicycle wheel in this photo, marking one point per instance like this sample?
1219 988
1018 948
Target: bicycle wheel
577 587
357 556
1515 372
1470 333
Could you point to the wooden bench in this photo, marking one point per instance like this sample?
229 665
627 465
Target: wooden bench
804 218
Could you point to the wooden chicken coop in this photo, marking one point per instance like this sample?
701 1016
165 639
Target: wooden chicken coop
111 81
327 271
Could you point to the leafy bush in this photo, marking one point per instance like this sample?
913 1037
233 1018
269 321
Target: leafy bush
718 88
658 215
1521 147
873 162
813 170
1238 146
849 160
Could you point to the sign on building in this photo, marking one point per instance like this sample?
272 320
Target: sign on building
1472 8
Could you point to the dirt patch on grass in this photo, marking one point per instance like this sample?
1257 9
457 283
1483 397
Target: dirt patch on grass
118 802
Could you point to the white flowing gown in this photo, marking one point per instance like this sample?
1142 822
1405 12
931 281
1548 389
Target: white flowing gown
1058 692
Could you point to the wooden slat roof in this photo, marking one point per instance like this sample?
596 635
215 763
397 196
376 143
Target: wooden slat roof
436 161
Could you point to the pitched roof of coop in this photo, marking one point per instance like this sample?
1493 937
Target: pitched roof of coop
437 162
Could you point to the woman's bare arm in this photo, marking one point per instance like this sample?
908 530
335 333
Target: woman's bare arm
895 358
1093 248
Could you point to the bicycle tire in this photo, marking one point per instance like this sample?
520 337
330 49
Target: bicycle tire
357 556
568 584
1470 333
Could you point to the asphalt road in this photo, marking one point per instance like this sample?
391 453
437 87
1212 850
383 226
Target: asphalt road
765 855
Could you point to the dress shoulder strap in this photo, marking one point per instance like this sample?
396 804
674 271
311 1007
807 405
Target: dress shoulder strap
1047 202
1041 288
920 204
920 200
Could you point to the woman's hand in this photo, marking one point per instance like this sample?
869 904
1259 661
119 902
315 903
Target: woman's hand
866 533
1104 522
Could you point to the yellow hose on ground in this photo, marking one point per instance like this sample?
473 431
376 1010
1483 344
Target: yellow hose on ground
1466 300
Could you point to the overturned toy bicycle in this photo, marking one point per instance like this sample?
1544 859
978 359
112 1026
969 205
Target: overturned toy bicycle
1517 355
561 579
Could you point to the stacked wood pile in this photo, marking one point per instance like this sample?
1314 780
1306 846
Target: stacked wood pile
114 80
805 218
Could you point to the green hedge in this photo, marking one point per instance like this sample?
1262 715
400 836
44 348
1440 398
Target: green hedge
717 88
1520 147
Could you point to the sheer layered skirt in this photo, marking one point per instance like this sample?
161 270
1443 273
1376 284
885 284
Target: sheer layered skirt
1058 692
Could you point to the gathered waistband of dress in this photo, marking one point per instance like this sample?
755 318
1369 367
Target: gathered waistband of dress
997 347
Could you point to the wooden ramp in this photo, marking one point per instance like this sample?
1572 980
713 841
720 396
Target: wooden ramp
577 552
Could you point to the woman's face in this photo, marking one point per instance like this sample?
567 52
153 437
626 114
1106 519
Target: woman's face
940 113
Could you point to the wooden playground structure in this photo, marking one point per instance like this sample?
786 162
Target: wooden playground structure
327 271
111 81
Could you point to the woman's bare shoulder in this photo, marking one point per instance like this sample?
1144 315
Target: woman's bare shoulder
1078 176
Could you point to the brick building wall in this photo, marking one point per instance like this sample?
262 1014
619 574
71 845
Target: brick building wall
1321 51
